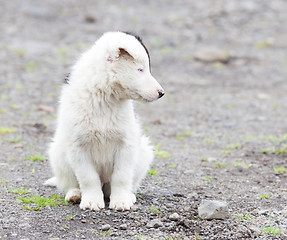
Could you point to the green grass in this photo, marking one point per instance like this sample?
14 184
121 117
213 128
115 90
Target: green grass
242 164
152 172
17 139
210 140
279 169
219 165
234 146
243 217
225 151
37 202
266 151
264 44
275 139
186 133
153 209
272 230
265 196
19 52
30 66
19 191
159 153
104 233
4 130
208 179
35 157
172 166
4 181
70 217
249 137
280 151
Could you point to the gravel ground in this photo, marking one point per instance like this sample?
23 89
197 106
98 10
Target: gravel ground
220 131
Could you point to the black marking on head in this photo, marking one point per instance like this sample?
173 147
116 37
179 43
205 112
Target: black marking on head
66 79
141 42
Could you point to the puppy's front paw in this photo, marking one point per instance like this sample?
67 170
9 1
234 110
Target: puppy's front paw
93 202
73 195
123 201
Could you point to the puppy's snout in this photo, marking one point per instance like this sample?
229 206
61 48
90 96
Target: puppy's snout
160 93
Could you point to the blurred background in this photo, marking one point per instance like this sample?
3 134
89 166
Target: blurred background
222 63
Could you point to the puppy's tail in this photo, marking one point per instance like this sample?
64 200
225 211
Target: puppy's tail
52 182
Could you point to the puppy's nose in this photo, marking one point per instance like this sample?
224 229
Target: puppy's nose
160 93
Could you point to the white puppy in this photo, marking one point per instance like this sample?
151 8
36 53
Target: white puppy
98 147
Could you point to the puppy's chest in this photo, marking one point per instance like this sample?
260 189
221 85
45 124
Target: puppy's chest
107 136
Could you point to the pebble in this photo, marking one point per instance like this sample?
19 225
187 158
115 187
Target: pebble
105 227
174 217
24 225
213 209
211 55
156 223
256 230
123 226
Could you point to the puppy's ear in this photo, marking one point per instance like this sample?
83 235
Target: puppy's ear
119 54
124 53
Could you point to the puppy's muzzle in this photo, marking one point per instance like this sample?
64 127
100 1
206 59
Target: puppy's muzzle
160 93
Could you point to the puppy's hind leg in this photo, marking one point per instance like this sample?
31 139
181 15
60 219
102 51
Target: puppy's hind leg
143 163
65 178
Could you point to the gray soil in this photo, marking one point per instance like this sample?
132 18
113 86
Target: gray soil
223 125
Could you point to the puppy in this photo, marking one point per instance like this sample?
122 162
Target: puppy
98 148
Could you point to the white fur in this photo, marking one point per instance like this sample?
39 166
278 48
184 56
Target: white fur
98 140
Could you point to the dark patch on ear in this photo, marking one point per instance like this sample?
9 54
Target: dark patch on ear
66 79
141 42
123 52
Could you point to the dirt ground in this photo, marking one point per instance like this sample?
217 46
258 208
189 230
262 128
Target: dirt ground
220 131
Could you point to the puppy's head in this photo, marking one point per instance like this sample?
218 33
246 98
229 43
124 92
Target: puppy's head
129 66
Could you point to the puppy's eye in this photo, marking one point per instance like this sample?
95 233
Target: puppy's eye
140 70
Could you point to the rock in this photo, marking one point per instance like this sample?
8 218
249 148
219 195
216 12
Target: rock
255 230
213 209
156 223
123 226
174 217
105 227
211 55
24 225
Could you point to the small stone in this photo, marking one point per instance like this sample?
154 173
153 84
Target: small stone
174 217
156 223
24 225
213 209
83 220
255 230
211 55
105 227
123 226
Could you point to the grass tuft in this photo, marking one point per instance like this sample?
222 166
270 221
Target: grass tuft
4 130
152 172
19 191
265 196
272 230
37 202
242 164
279 169
219 165
159 153
153 209
35 157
